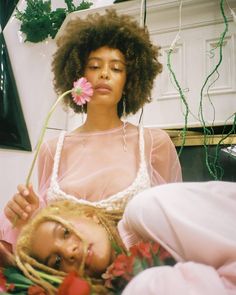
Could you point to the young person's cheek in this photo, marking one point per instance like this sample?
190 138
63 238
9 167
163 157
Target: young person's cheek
69 268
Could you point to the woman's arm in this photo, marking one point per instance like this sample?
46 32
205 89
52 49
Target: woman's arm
193 221
184 279
196 223
26 201
164 161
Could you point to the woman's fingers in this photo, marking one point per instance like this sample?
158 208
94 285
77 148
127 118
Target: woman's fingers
22 204
17 207
32 197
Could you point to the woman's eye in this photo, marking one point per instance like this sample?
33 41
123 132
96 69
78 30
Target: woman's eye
57 264
117 70
93 67
66 233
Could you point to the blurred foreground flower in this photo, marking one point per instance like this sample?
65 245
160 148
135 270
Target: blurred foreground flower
140 257
73 284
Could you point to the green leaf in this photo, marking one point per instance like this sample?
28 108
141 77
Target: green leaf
117 249
84 5
15 276
38 21
156 260
138 267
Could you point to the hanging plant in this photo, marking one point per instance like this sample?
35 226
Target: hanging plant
39 22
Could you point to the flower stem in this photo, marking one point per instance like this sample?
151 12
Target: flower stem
42 135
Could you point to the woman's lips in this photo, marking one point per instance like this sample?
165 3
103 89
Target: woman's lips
103 88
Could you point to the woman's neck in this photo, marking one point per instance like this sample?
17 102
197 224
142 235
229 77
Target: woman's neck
101 121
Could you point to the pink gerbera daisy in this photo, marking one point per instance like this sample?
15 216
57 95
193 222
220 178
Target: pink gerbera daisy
82 91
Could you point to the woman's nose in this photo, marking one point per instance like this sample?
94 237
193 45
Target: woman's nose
70 252
105 73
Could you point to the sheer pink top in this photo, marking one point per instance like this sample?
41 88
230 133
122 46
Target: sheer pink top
95 168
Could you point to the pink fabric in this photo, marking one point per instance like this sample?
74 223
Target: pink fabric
90 171
196 223
183 279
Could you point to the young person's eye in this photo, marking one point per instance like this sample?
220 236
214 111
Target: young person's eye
66 233
57 263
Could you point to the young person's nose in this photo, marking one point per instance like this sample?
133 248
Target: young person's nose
70 251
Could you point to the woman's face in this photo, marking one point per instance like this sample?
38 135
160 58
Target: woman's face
106 71
56 246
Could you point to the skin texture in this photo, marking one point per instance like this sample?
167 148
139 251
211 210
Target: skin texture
64 249
106 71
106 67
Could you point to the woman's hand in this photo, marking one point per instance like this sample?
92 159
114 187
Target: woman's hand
22 205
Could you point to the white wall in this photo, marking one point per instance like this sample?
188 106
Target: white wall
201 26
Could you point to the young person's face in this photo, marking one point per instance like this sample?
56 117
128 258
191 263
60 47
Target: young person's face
56 246
106 71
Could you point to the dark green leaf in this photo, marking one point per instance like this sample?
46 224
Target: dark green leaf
15 276
138 267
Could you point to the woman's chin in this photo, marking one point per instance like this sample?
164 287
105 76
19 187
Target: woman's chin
96 269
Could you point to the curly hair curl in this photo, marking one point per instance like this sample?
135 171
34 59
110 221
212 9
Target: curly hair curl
115 31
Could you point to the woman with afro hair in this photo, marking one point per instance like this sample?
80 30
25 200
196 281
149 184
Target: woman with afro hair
105 161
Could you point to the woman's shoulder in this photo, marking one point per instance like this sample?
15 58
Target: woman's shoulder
50 144
156 134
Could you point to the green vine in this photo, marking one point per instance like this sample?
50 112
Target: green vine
38 21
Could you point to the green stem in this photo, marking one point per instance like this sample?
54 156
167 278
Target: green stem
23 286
42 135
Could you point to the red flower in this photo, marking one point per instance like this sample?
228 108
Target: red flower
121 269
36 290
144 251
142 255
72 284
123 266
155 248
3 282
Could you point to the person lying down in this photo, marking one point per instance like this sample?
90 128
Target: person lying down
194 222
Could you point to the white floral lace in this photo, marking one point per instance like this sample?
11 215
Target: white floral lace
114 202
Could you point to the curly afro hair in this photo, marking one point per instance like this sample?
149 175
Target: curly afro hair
115 31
